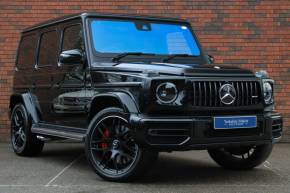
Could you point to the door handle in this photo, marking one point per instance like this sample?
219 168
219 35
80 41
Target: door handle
57 84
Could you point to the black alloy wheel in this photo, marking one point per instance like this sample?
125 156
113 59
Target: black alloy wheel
111 149
18 136
241 158
24 143
112 146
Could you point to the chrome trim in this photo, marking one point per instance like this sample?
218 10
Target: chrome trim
170 101
230 88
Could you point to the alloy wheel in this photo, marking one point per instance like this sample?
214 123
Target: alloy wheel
241 152
112 146
18 129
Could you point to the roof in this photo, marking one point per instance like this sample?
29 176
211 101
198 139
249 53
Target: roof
101 15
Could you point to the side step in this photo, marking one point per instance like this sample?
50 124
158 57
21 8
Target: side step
59 131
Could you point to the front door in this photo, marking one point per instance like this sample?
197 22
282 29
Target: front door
69 95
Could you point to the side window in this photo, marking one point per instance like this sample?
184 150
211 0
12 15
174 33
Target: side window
26 54
72 38
48 49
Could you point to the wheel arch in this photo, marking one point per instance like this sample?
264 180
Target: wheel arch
113 99
29 104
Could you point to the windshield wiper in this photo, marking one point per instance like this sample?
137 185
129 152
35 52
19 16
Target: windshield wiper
118 57
171 56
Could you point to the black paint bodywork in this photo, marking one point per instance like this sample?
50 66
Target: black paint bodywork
62 99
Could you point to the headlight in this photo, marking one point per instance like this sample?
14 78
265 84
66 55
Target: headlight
166 92
268 92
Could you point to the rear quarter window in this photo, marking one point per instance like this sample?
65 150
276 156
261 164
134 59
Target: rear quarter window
27 52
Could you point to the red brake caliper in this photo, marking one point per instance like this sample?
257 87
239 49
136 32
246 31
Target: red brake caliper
105 145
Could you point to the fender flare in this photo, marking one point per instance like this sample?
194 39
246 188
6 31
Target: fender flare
29 103
126 101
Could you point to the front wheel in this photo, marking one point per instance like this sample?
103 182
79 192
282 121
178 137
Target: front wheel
111 149
241 158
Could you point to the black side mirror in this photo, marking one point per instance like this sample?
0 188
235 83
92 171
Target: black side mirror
71 57
210 59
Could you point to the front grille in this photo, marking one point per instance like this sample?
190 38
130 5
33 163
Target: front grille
206 93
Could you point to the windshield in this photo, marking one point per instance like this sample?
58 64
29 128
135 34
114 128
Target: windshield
121 36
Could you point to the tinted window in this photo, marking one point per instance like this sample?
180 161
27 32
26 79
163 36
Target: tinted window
147 37
72 38
48 49
26 54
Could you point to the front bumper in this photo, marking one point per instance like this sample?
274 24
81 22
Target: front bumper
185 133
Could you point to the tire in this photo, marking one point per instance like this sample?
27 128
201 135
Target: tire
23 142
111 150
241 158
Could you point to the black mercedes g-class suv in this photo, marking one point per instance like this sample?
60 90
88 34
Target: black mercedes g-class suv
133 86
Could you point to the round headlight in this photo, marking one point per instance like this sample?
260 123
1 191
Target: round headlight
268 93
166 92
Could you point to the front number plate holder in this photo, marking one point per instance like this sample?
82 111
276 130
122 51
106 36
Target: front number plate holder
235 122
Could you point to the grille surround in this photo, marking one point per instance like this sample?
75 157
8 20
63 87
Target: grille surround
205 93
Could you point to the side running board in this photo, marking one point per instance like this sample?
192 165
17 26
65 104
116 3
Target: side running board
59 131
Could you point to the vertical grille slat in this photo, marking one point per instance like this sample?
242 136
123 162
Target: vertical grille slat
210 94
194 94
216 94
200 95
235 102
256 92
238 93
206 93
247 94
220 102
243 94
251 93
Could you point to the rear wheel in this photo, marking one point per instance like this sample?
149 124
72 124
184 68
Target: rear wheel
24 143
111 149
241 158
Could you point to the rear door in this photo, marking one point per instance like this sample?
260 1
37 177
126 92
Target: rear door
47 56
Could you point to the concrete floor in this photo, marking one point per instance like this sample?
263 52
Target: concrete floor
62 167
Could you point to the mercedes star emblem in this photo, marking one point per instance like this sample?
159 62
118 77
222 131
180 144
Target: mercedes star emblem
227 94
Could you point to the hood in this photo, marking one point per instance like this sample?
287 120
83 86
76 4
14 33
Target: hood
184 69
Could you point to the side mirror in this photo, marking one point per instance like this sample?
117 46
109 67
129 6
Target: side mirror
71 57
210 59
